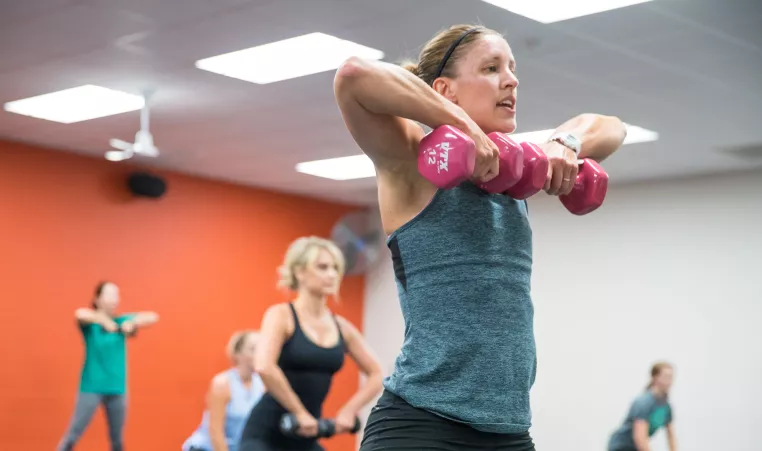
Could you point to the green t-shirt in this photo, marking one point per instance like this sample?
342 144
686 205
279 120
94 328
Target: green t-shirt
105 368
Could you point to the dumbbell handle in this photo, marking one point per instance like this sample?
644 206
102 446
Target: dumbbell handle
326 427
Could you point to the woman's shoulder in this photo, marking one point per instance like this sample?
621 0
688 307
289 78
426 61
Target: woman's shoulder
279 309
348 330
220 383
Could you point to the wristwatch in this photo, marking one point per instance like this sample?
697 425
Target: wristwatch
567 140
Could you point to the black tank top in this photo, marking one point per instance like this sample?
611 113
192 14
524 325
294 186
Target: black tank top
309 369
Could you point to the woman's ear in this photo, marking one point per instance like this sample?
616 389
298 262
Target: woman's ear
299 273
446 88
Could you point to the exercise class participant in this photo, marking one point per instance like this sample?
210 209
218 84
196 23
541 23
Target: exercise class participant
302 345
648 413
104 373
231 396
462 257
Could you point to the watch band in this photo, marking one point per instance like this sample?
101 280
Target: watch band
568 140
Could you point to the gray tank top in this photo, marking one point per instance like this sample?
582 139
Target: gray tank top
463 267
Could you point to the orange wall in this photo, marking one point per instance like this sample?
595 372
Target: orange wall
204 257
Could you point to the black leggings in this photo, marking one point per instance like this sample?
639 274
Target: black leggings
394 424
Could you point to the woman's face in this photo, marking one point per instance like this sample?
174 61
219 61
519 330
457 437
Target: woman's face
108 300
663 380
485 86
320 276
245 355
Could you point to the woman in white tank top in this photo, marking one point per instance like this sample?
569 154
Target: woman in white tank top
232 394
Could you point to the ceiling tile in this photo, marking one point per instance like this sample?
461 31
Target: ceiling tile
62 33
170 12
18 12
621 26
719 14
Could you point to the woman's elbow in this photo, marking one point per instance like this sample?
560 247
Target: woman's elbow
376 378
81 313
265 370
619 129
349 72
353 67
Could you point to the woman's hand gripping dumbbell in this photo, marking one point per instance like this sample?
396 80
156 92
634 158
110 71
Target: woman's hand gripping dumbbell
326 426
448 157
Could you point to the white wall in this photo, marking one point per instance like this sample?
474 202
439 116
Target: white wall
662 271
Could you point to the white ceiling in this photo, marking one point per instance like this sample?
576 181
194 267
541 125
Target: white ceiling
689 69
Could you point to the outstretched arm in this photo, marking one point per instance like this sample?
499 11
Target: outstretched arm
379 102
366 360
91 316
143 319
671 437
138 321
601 135
272 334
216 401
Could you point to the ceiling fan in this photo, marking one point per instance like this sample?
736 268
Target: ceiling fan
143 144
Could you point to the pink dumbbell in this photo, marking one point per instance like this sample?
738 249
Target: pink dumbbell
511 164
535 172
589 190
446 158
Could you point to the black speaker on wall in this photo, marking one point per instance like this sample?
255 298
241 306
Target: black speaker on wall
146 185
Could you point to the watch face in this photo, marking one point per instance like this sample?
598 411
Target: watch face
570 141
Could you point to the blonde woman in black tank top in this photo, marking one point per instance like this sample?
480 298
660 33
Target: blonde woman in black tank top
302 345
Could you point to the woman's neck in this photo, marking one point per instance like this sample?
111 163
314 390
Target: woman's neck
104 312
659 393
311 304
245 373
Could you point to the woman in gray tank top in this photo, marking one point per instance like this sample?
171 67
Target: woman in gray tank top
462 257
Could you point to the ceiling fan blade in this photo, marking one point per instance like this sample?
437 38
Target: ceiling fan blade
119 144
116 155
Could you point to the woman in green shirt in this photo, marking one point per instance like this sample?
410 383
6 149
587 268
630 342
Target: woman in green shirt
104 372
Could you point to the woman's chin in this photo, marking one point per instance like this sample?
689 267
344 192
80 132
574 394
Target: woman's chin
502 126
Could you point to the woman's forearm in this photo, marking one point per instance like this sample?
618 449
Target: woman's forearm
672 439
642 444
601 135
370 389
277 385
86 315
143 319
219 443
387 89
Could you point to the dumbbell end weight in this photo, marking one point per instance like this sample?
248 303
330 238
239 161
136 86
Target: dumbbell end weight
327 428
446 157
589 190
357 426
288 424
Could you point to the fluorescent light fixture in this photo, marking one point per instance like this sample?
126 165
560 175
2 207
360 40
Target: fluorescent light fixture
548 11
76 104
290 58
344 168
360 166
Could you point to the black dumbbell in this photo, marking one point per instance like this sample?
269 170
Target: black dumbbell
326 427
